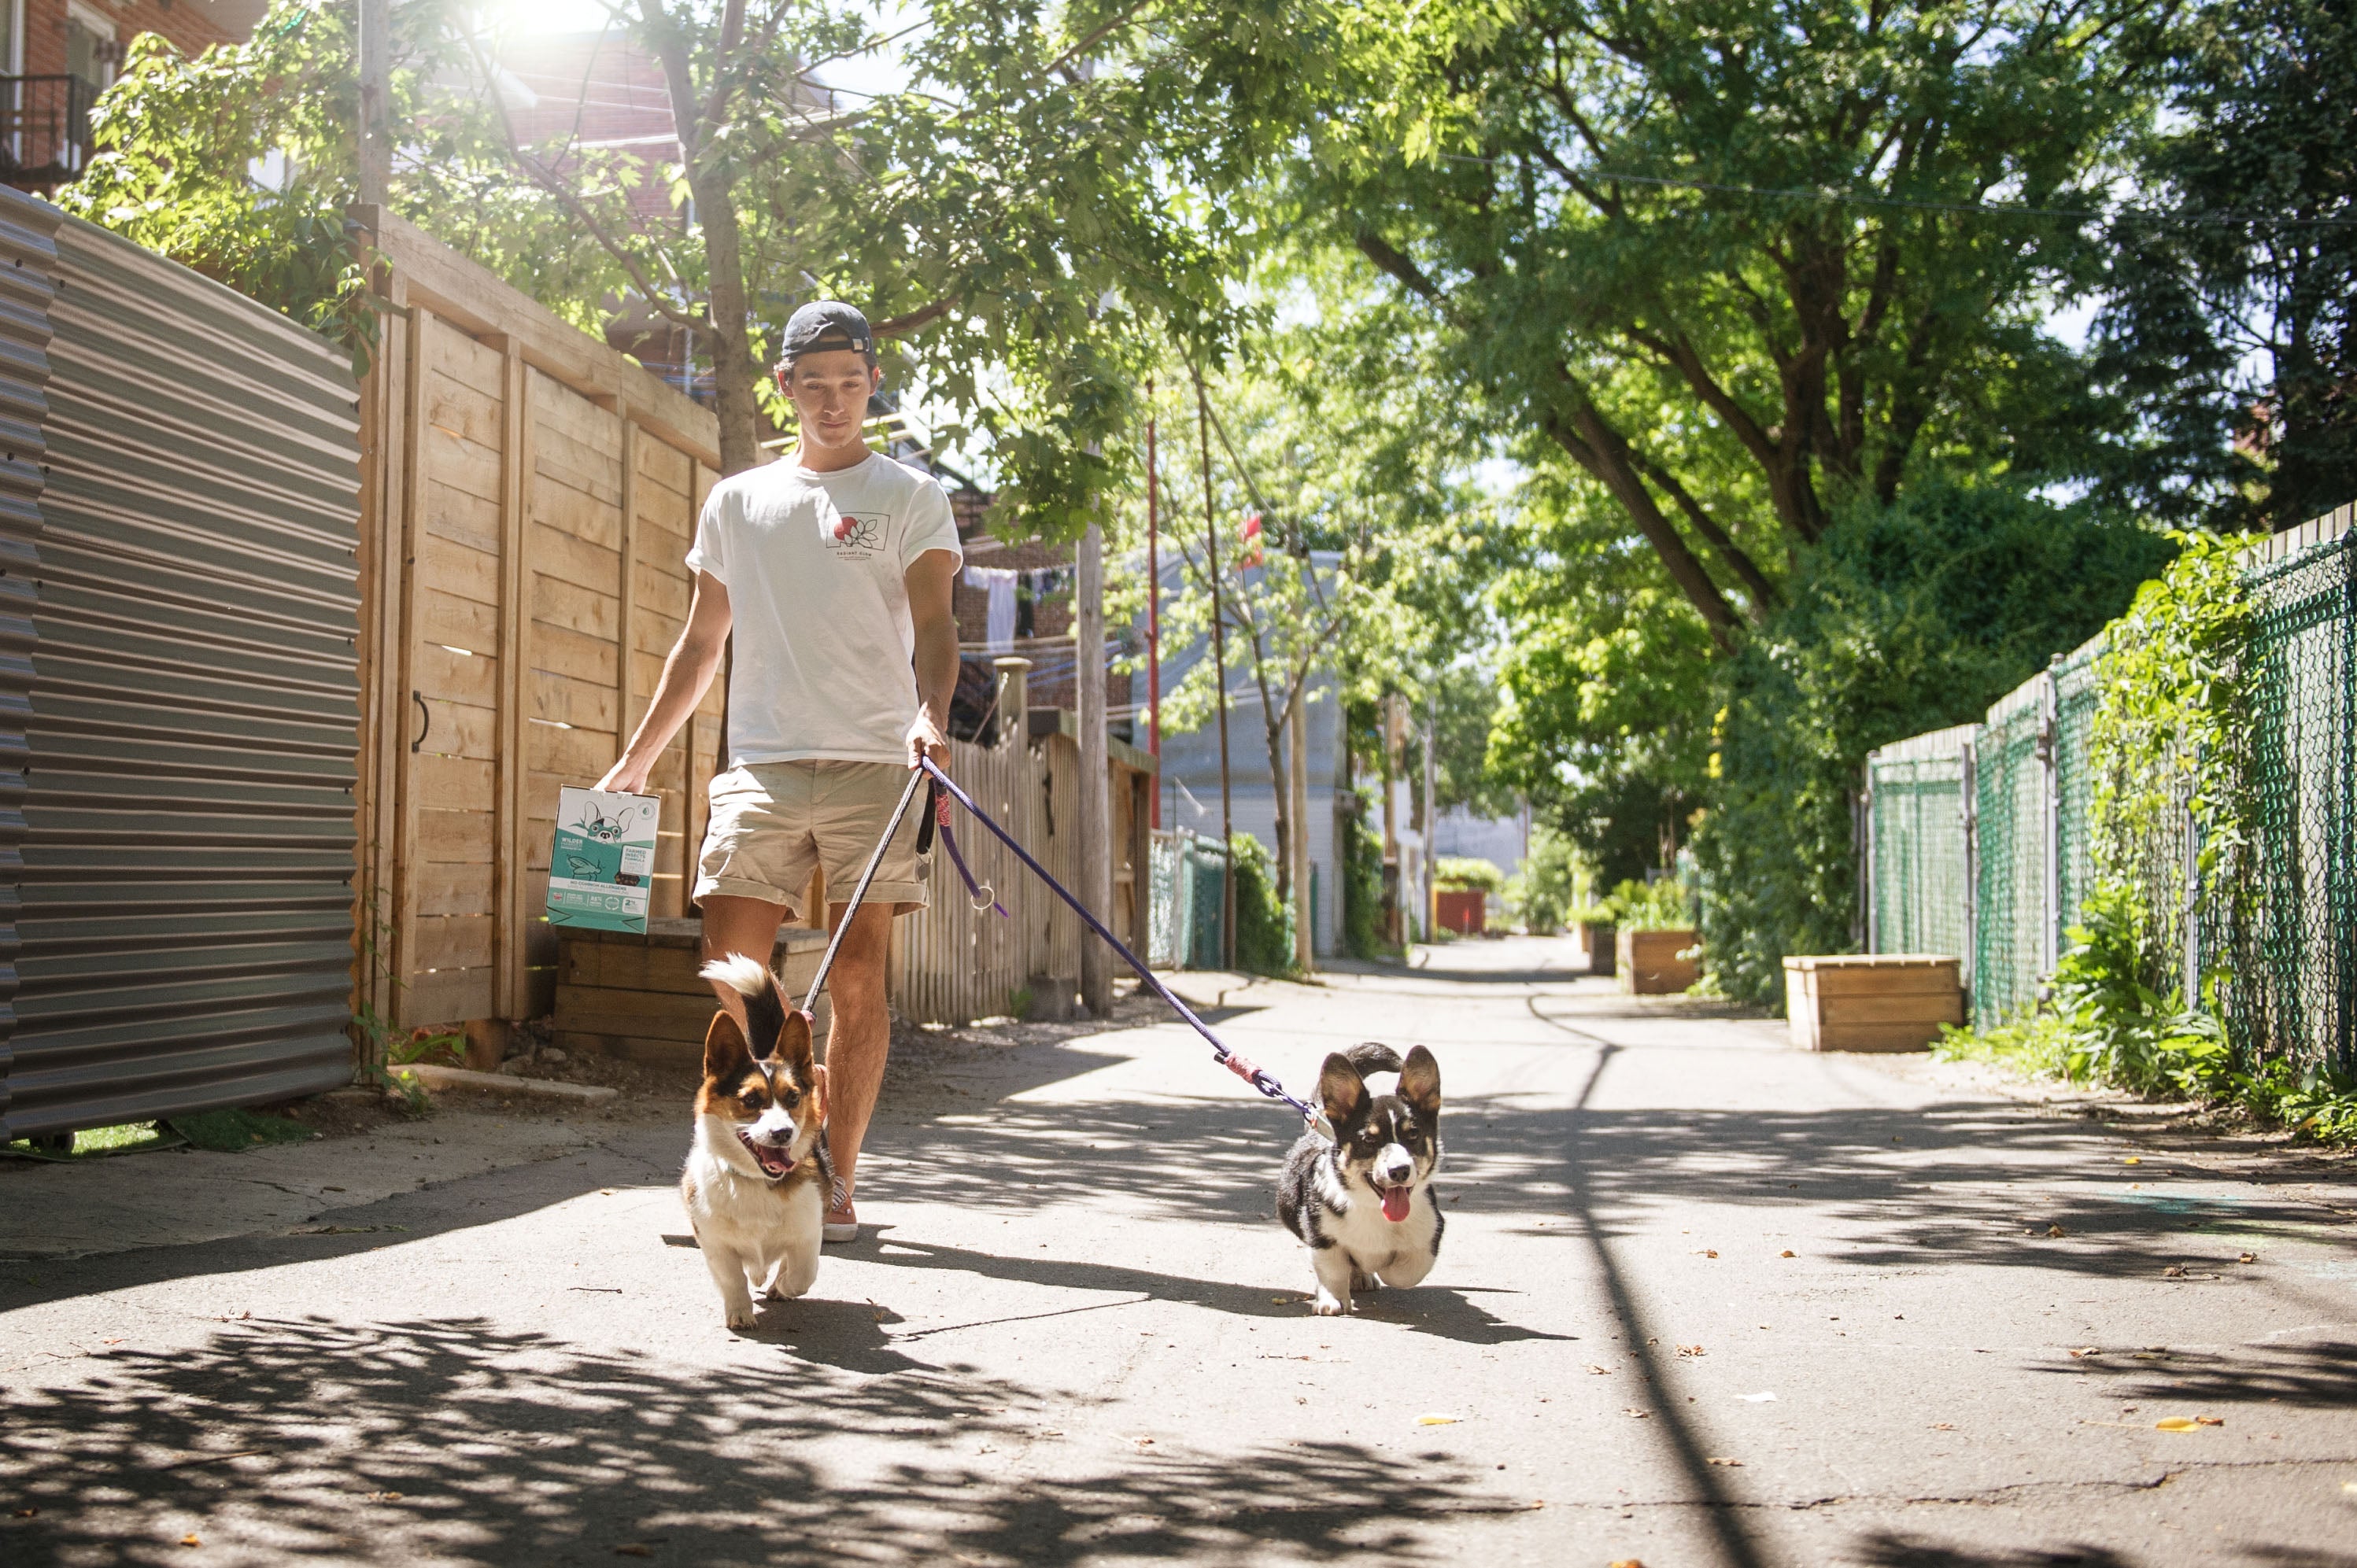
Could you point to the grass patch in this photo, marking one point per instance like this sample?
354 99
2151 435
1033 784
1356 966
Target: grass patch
96 1142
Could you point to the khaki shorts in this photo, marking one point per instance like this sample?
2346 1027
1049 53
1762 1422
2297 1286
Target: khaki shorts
775 822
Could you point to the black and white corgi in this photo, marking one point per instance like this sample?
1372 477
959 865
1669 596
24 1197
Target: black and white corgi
1365 1204
758 1176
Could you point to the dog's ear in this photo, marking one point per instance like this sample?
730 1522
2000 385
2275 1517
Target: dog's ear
794 1043
818 1093
1343 1090
1419 1083
725 1055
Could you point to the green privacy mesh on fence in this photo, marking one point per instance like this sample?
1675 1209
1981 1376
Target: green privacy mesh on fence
1915 791
2009 841
1186 870
2278 928
2286 935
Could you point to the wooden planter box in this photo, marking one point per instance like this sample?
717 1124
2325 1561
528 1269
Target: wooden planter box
1650 964
640 998
1872 1001
1597 937
1461 909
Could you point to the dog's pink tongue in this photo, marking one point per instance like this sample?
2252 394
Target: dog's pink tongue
1395 1202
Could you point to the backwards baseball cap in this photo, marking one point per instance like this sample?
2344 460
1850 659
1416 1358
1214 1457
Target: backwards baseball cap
824 325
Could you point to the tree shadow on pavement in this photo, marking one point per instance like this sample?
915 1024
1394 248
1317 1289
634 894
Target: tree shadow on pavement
2323 1376
1894 1550
1430 1309
456 1440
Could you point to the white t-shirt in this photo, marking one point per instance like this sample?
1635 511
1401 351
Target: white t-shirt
824 641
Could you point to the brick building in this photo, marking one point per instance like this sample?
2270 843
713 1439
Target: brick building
59 55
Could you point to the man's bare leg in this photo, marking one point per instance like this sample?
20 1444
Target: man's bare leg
856 1041
735 925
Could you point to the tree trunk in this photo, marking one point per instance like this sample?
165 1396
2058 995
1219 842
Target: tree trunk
1304 950
1095 856
1275 730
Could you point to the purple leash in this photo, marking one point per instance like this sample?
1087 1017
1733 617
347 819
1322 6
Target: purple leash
981 897
1258 1077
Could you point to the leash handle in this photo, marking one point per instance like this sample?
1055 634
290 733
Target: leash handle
809 1000
1259 1077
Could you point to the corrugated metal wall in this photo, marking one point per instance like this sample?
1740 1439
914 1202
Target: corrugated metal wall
185 934
27 260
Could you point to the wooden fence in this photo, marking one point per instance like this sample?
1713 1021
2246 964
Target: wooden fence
528 495
952 964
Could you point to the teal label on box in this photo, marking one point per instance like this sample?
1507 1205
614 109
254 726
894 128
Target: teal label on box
604 859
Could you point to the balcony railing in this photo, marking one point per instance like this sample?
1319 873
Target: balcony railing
44 129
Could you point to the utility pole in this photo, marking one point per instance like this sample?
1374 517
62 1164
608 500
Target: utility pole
376 106
1218 669
1095 856
1153 613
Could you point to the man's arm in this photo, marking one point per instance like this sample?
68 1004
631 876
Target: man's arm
687 674
928 581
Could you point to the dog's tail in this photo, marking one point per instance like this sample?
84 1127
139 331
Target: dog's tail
1374 1056
765 1008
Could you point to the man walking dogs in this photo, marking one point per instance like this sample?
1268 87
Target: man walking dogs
832 569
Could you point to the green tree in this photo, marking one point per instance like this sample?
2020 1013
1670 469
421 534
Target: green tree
1606 679
1733 259
2230 320
1004 217
1907 619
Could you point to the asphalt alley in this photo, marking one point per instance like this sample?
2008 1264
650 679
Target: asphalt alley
1704 1300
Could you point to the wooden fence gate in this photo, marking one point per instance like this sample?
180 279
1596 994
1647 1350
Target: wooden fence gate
529 494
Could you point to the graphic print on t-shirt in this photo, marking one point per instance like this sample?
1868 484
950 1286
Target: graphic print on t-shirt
858 535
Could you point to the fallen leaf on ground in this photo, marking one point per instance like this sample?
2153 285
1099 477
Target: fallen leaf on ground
1599 1371
1639 1414
190 1539
1439 1419
2248 1258
27 1513
2056 1230
1943 1426
385 1497
2177 1423
2085 1350
2174 1272
1785 1253
1760 1398
2133 1160
634 1548
2209 1420
1729 1463
1689 1350
1627 1563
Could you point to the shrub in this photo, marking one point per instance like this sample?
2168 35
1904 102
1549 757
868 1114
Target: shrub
1663 906
1902 619
1541 897
1362 883
1468 875
1263 924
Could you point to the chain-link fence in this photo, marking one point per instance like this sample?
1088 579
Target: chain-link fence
1917 899
1187 870
2011 841
1980 844
2284 937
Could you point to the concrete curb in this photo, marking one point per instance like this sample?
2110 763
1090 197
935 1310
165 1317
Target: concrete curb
433 1077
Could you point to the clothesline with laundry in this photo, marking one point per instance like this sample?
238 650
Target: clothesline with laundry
1006 588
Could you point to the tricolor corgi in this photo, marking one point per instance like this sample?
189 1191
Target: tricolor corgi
1365 1204
758 1176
